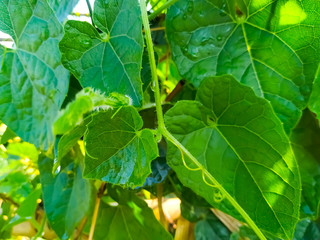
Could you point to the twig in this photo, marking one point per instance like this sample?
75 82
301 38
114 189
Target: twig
8 199
96 209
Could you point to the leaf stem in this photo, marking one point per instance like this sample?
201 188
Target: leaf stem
40 230
170 137
160 9
96 209
90 11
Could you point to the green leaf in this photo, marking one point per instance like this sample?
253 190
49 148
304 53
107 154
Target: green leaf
271 46
111 61
86 101
307 230
131 219
8 134
33 82
63 8
306 146
117 150
211 228
29 205
69 140
239 141
67 196
23 150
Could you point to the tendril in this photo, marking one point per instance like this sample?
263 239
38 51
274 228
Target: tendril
185 164
218 196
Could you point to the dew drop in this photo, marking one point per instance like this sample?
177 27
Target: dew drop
219 38
185 16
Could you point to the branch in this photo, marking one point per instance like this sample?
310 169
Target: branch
96 209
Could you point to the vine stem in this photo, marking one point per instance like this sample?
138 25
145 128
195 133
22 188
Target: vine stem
171 138
96 209
90 11
160 9
40 230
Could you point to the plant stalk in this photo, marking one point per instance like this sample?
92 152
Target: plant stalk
170 137
40 230
90 11
96 209
160 9
160 207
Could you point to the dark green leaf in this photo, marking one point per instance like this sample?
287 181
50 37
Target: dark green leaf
33 82
111 61
306 146
67 196
238 139
117 152
271 46
211 228
131 219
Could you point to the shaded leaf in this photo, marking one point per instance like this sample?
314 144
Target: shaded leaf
117 150
67 196
211 228
131 219
306 146
238 139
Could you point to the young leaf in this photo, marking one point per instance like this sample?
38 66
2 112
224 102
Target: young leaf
67 196
33 82
117 150
62 8
305 143
271 46
86 101
239 141
111 61
131 219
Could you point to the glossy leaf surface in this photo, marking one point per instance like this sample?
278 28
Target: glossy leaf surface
271 46
117 150
110 61
33 82
237 138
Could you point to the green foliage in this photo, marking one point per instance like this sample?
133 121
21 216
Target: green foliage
33 82
237 138
216 105
116 150
130 219
113 58
261 43
61 193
